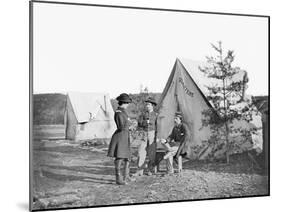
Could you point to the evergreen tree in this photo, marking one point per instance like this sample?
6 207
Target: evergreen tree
227 96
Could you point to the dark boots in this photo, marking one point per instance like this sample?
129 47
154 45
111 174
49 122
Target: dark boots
119 179
127 177
122 180
126 171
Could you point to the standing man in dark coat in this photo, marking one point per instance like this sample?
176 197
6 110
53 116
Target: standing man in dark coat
119 146
148 122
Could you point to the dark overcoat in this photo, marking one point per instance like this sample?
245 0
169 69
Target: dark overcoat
119 146
180 135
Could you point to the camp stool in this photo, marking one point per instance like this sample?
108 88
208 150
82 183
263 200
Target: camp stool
159 157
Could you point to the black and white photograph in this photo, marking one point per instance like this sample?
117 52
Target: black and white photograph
134 105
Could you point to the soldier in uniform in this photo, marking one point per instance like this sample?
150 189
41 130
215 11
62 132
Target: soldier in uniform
119 146
148 122
176 143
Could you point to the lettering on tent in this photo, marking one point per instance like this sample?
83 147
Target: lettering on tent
187 91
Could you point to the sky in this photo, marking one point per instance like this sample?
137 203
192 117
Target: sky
116 50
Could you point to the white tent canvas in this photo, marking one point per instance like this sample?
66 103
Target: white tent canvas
89 116
186 91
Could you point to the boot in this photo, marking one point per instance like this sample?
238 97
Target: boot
151 168
127 177
119 179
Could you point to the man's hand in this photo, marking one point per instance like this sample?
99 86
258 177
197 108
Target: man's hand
163 141
133 125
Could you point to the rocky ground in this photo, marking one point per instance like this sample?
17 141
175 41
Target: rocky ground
71 175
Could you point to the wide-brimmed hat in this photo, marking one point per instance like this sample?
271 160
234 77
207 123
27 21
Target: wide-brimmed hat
123 97
151 100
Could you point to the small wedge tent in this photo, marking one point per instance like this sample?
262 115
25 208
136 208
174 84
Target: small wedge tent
185 91
89 116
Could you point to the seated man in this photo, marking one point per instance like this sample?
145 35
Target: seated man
176 143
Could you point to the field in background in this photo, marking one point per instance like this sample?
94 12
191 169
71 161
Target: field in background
49 109
45 132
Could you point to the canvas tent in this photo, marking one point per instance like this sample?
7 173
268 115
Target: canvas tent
185 91
89 116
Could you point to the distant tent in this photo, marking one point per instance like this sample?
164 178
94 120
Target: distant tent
89 116
185 91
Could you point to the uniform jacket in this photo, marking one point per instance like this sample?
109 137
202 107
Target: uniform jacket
119 146
152 117
151 125
181 137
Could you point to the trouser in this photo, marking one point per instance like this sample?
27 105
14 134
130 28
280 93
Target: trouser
147 147
126 171
171 152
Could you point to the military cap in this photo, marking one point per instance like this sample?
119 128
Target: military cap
151 100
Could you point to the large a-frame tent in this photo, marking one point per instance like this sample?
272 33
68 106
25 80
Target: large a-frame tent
89 116
185 91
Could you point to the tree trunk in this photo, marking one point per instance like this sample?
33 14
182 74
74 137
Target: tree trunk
225 120
227 142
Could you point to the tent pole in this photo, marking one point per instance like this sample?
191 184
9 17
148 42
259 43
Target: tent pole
104 97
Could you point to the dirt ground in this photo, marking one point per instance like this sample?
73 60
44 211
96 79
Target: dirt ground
70 175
